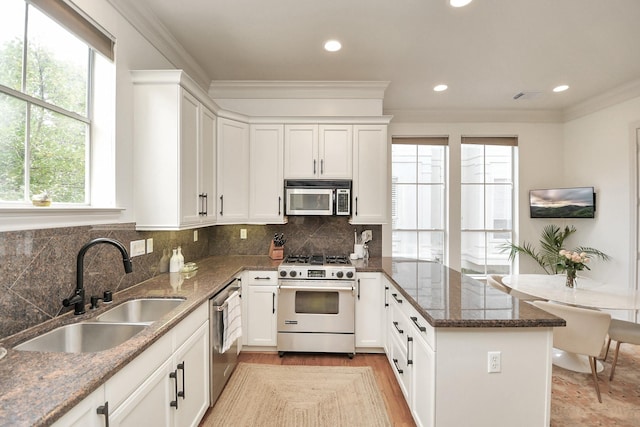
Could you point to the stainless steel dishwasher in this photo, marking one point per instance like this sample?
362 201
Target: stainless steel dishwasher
222 364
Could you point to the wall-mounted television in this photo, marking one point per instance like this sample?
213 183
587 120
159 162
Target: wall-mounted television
575 202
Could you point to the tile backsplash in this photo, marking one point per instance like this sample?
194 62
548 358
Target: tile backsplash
38 267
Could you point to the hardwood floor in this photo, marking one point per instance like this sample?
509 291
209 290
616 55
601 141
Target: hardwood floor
396 406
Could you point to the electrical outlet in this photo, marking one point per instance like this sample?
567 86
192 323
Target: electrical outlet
195 235
243 233
136 248
149 245
494 362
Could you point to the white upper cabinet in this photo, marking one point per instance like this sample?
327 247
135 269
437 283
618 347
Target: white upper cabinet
233 172
318 152
174 147
266 183
370 175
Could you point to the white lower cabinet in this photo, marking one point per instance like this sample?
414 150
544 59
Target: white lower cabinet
369 304
260 314
85 413
167 385
423 382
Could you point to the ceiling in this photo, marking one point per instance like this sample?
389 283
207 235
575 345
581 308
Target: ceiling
486 52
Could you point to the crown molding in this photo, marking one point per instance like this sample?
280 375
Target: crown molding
475 116
298 89
154 31
614 96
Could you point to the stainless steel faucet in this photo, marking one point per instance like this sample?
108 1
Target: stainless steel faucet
77 299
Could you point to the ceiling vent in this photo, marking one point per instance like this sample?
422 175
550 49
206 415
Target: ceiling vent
527 95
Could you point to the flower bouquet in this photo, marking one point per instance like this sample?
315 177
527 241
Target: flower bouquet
572 262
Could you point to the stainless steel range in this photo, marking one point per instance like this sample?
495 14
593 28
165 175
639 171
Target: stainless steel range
316 304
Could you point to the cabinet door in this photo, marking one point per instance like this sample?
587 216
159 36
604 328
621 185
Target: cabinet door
335 151
192 363
233 172
423 382
369 307
301 151
370 174
261 316
266 203
85 414
207 162
190 206
150 404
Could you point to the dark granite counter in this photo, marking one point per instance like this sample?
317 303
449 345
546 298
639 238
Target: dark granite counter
37 388
447 298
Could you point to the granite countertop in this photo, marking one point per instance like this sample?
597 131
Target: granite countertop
446 298
37 388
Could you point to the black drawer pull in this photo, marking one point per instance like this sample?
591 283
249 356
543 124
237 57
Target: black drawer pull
395 325
415 322
395 297
395 362
104 410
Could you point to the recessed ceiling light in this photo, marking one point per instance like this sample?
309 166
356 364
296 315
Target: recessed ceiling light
459 3
560 88
440 88
332 46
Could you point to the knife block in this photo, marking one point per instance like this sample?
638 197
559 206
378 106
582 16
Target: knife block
276 252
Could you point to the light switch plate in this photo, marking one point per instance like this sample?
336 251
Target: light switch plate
149 245
243 233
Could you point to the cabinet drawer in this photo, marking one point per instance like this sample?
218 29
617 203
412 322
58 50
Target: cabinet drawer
189 325
398 324
265 278
420 326
400 364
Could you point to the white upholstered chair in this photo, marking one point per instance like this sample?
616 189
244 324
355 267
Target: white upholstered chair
584 333
621 331
495 281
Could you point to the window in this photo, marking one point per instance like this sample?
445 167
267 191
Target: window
48 63
487 203
418 197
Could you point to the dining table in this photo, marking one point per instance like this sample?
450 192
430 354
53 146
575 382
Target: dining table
586 293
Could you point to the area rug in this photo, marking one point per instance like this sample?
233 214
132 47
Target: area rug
574 401
260 395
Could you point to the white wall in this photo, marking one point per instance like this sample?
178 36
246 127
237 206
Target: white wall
540 166
132 52
599 150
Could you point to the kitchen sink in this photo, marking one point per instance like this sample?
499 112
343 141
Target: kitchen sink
84 337
142 310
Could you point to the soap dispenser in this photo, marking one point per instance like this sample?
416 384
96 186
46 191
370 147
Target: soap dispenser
174 262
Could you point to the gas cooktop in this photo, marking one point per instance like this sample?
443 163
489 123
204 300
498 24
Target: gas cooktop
317 260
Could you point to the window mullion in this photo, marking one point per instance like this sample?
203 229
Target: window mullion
27 153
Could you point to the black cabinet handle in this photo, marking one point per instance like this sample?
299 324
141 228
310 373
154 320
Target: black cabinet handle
181 367
358 288
314 167
395 362
104 410
273 303
261 278
395 324
409 360
322 167
205 200
174 375
415 322
395 297
279 205
221 204
356 206
386 294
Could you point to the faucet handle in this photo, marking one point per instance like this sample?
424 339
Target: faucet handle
107 297
94 302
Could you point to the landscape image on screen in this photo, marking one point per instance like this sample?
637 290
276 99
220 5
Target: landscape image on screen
576 202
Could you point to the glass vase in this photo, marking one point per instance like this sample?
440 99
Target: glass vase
571 278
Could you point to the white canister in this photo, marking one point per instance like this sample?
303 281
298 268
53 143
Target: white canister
359 251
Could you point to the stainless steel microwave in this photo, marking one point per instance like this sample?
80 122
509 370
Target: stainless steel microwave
317 197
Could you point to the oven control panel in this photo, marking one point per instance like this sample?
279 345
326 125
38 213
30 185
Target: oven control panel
327 273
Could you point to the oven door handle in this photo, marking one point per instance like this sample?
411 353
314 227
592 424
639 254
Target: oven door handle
316 288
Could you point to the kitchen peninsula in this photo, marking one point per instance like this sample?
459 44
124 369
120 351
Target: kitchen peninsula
450 322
